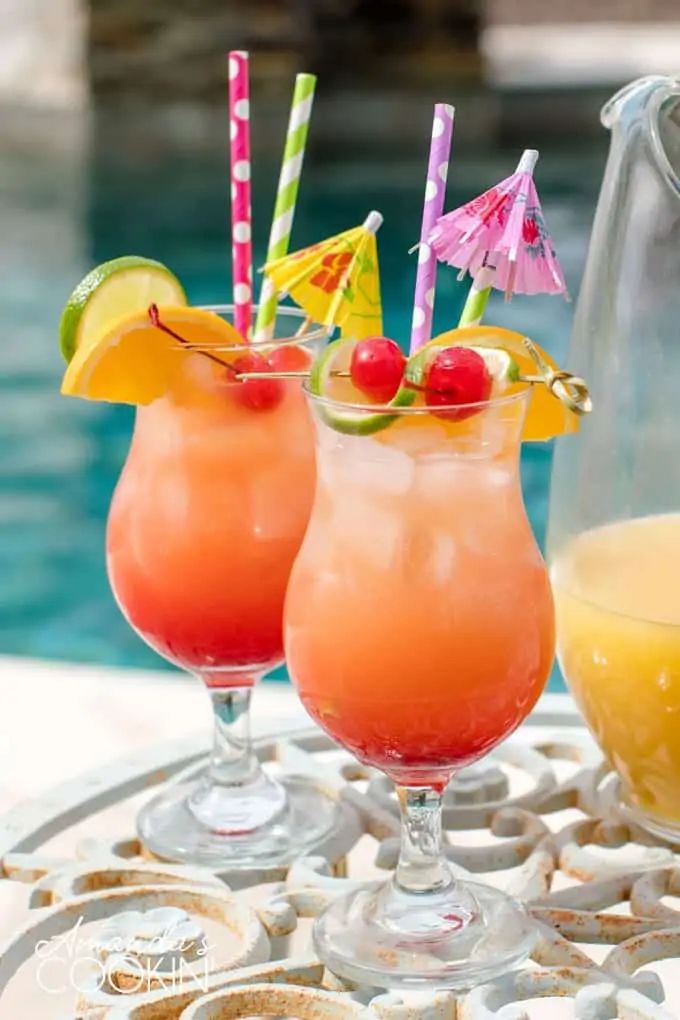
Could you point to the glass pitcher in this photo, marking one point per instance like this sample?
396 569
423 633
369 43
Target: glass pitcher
614 529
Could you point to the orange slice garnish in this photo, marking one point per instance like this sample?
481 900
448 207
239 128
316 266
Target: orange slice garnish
547 416
134 362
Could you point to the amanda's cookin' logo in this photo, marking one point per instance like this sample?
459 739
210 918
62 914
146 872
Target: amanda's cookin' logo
134 952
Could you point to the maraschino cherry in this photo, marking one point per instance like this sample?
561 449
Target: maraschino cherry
288 358
457 375
377 368
257 394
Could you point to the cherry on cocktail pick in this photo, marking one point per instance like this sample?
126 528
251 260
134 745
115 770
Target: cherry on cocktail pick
457 375
377 367
288 358
258 394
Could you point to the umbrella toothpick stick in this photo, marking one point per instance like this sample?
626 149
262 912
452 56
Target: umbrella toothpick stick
306 323
478 296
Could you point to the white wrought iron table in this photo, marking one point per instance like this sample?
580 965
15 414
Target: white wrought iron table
539 820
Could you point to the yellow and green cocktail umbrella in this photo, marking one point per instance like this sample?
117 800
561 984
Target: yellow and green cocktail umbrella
337 281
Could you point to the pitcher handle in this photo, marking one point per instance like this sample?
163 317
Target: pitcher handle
640 103
670 89
633 96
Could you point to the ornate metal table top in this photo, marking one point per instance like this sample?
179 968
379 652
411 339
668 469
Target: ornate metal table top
538 819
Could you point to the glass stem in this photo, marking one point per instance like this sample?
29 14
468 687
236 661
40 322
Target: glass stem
422 866
232 762
235 795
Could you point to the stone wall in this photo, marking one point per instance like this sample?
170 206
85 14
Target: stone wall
57 53
533 12
175 48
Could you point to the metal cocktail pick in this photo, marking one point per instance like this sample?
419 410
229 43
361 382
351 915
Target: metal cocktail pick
570 389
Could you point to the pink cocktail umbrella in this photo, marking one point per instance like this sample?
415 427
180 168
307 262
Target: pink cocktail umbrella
501 239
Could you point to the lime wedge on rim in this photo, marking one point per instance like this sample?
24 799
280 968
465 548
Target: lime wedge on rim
501 365
353 421
109 293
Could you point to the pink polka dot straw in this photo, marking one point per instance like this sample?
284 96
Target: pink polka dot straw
433 206
241 212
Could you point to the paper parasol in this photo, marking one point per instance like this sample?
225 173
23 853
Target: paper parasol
501 237
337 281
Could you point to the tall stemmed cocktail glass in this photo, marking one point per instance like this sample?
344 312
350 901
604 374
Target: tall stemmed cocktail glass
205 523
419 633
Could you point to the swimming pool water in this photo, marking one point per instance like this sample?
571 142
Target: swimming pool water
66 208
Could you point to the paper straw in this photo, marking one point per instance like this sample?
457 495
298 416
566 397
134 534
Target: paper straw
286 196
433 207
241 215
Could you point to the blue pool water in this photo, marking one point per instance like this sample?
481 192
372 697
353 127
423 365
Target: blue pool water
69 204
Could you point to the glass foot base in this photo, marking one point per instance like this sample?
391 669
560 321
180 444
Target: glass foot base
386 938
175 826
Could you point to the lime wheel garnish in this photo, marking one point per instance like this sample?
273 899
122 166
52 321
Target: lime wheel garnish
330 377
110 293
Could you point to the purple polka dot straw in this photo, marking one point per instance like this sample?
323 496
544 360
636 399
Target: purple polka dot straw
433 207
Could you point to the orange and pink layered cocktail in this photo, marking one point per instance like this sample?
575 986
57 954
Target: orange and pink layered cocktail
207 518
420 625
419 634
205 524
